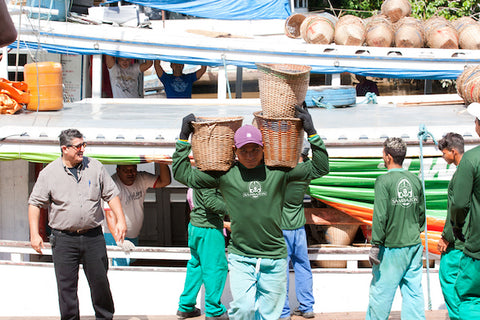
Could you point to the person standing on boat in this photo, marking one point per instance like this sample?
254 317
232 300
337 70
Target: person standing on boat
465 217
124 76
452 148
364 86
178 85
293 228
133 187
8 33
254 195
208 262
72 187
396 253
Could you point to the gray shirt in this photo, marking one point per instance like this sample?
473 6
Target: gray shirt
73 204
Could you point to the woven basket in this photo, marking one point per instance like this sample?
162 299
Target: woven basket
281 87
212 142
292 25
282 140
341 234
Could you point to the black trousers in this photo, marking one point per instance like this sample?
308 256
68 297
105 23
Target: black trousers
69 250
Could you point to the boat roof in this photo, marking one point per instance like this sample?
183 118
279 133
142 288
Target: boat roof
241 43
150 127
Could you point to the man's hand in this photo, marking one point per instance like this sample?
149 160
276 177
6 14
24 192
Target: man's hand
37 243
120 231
126 245
373 255
442 245
306 118
187 128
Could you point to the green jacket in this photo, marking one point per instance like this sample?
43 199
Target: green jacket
209 209
465 204
398 210
253 197
293 214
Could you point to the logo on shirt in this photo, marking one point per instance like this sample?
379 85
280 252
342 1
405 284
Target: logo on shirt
179 85
405 196
254 190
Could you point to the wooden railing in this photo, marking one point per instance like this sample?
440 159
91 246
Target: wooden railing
20 251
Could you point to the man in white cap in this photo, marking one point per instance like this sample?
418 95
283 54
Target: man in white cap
254 196
465 210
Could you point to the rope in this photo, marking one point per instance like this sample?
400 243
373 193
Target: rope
423 135
226 76
318 103
370 97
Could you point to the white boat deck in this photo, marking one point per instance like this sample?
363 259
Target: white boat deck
151 126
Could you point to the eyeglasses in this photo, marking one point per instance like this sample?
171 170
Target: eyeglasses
78 147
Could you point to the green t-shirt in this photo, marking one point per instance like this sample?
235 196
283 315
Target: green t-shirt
293 214
447 232
398 210
253 197
208 209
465 204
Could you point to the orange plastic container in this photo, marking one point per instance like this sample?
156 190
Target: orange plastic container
44 81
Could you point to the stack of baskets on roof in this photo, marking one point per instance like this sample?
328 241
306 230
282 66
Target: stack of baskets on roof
393 27
468 84
281 87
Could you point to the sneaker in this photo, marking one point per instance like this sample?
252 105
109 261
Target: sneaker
308 314
223 316
191 314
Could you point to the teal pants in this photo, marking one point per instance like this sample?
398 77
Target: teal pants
468 288
449 265
207 266
259 287
398 267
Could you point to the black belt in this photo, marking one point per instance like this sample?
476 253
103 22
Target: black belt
79 232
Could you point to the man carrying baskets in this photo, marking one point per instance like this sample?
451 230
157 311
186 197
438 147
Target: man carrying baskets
254 195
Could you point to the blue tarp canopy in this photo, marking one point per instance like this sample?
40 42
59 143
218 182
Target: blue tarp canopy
222 9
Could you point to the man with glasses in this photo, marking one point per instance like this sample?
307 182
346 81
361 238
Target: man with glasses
72 188
465 218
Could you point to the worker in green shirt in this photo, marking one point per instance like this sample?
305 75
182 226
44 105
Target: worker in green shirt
465 209
293 227
254 195
396 254
208 262
452 148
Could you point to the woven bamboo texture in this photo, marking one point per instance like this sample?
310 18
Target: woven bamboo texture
379 31
282 140
292 25
468 84
281 87
212 142
350 31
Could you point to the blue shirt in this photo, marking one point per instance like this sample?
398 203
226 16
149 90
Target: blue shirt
178 87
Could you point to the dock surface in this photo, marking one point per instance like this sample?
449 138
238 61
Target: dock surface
395 315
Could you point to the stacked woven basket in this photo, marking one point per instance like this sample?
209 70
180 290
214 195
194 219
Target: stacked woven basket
393 26
281 87
468 84
212 142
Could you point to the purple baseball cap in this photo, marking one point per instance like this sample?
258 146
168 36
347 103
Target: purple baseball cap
247 134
